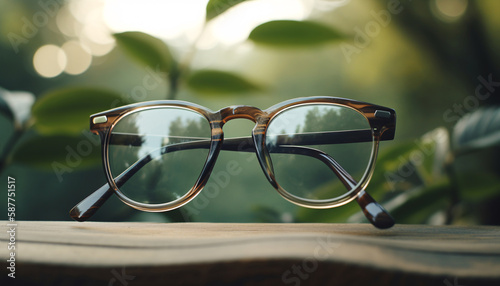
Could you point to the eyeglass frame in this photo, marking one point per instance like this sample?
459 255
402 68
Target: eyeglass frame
382 121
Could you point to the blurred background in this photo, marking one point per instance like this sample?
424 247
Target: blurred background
435 62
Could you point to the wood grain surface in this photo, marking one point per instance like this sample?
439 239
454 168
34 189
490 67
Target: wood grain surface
95 253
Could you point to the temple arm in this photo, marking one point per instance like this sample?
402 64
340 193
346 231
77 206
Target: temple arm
88 206
372 210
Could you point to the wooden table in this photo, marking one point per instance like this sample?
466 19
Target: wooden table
93 253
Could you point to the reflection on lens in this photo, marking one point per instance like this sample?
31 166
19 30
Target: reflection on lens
161 151
302 139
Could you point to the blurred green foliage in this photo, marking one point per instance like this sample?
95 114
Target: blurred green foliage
416 60
219 83
217 7
147 50
63 111
288 34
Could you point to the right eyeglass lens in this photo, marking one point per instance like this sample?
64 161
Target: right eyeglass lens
161 151
299 137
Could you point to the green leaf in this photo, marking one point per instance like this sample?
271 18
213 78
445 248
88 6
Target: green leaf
406 165
217 7
219 82
288 33
147 50
58 152
67 111
477 130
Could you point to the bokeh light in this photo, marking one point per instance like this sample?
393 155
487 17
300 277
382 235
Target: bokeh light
66 23
78 58
449 10
164 19
49 61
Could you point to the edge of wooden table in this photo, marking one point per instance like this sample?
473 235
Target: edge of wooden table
453 251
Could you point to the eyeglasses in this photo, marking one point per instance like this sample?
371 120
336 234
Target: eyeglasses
317 152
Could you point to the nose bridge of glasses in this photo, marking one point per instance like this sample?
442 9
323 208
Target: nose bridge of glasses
240 111
255 142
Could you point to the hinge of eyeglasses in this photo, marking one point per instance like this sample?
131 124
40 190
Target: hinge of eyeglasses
100 119
383 114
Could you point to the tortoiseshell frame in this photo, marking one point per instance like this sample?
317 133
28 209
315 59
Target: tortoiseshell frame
382 121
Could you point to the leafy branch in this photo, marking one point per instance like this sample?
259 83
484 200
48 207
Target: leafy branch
155 54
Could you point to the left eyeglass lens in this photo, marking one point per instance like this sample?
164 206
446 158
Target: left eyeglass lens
299 137
161 153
